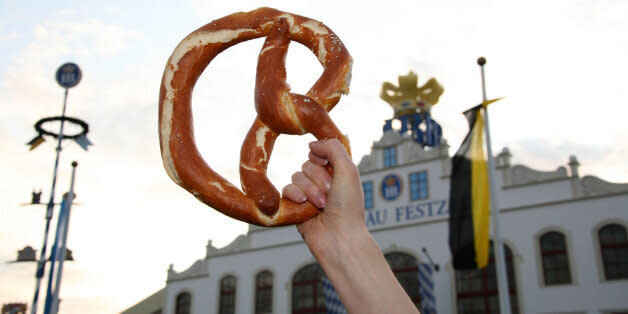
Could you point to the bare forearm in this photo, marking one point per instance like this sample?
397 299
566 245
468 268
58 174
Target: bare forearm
338 237
362 278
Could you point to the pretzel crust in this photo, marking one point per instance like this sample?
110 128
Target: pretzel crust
279 111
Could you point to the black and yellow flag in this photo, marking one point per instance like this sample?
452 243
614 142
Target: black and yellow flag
469 197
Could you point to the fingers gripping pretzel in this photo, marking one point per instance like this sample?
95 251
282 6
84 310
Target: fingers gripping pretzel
279 111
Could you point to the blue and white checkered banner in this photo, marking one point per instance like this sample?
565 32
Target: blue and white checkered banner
424 129
433 132
426 289
332 301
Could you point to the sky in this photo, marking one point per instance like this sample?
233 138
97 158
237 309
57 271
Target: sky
561 66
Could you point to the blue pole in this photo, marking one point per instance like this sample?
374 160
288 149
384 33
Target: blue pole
61 248
41 263
55 253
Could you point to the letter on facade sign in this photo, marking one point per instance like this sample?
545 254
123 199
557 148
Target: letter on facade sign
408 213
381 219
370 221
420 210
398 213
441 209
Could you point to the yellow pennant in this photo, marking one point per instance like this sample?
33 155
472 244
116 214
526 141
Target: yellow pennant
490 101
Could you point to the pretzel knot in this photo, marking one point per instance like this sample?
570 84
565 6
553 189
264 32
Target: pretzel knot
278 110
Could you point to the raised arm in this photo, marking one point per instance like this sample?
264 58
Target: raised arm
338 237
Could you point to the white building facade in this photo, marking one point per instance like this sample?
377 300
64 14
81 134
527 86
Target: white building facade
565 237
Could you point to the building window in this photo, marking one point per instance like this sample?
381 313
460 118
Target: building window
390 157
405 268
264 292
554 259
183 303
307 290
476 289
614 248
367 188
418 186
227 295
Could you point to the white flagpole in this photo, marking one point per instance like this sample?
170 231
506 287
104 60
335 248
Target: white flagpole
500 260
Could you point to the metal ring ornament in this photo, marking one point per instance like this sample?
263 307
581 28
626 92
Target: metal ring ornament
79 122
279 111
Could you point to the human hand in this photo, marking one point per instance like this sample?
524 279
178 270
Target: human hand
339 196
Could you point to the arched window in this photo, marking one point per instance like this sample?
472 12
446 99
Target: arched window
614 249
264 292
554 259
307 290
227 295
183 305
476 290
405 268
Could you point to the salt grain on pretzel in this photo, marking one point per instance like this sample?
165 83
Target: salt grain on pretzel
279 111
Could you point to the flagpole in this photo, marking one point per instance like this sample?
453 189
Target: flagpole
500 260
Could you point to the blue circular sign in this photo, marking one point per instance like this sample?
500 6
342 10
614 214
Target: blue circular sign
68 75
391 187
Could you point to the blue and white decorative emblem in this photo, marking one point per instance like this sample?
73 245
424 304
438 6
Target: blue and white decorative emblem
68 75
391 187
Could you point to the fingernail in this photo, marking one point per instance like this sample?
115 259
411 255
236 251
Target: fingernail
322 202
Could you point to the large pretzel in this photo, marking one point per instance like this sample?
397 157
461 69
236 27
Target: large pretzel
279 111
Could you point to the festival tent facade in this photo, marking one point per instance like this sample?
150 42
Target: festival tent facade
564 236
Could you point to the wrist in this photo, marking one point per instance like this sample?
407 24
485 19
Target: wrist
358 270
349 246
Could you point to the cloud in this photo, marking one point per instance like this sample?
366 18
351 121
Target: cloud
9 36
15 291
600 160
29 78
85 35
